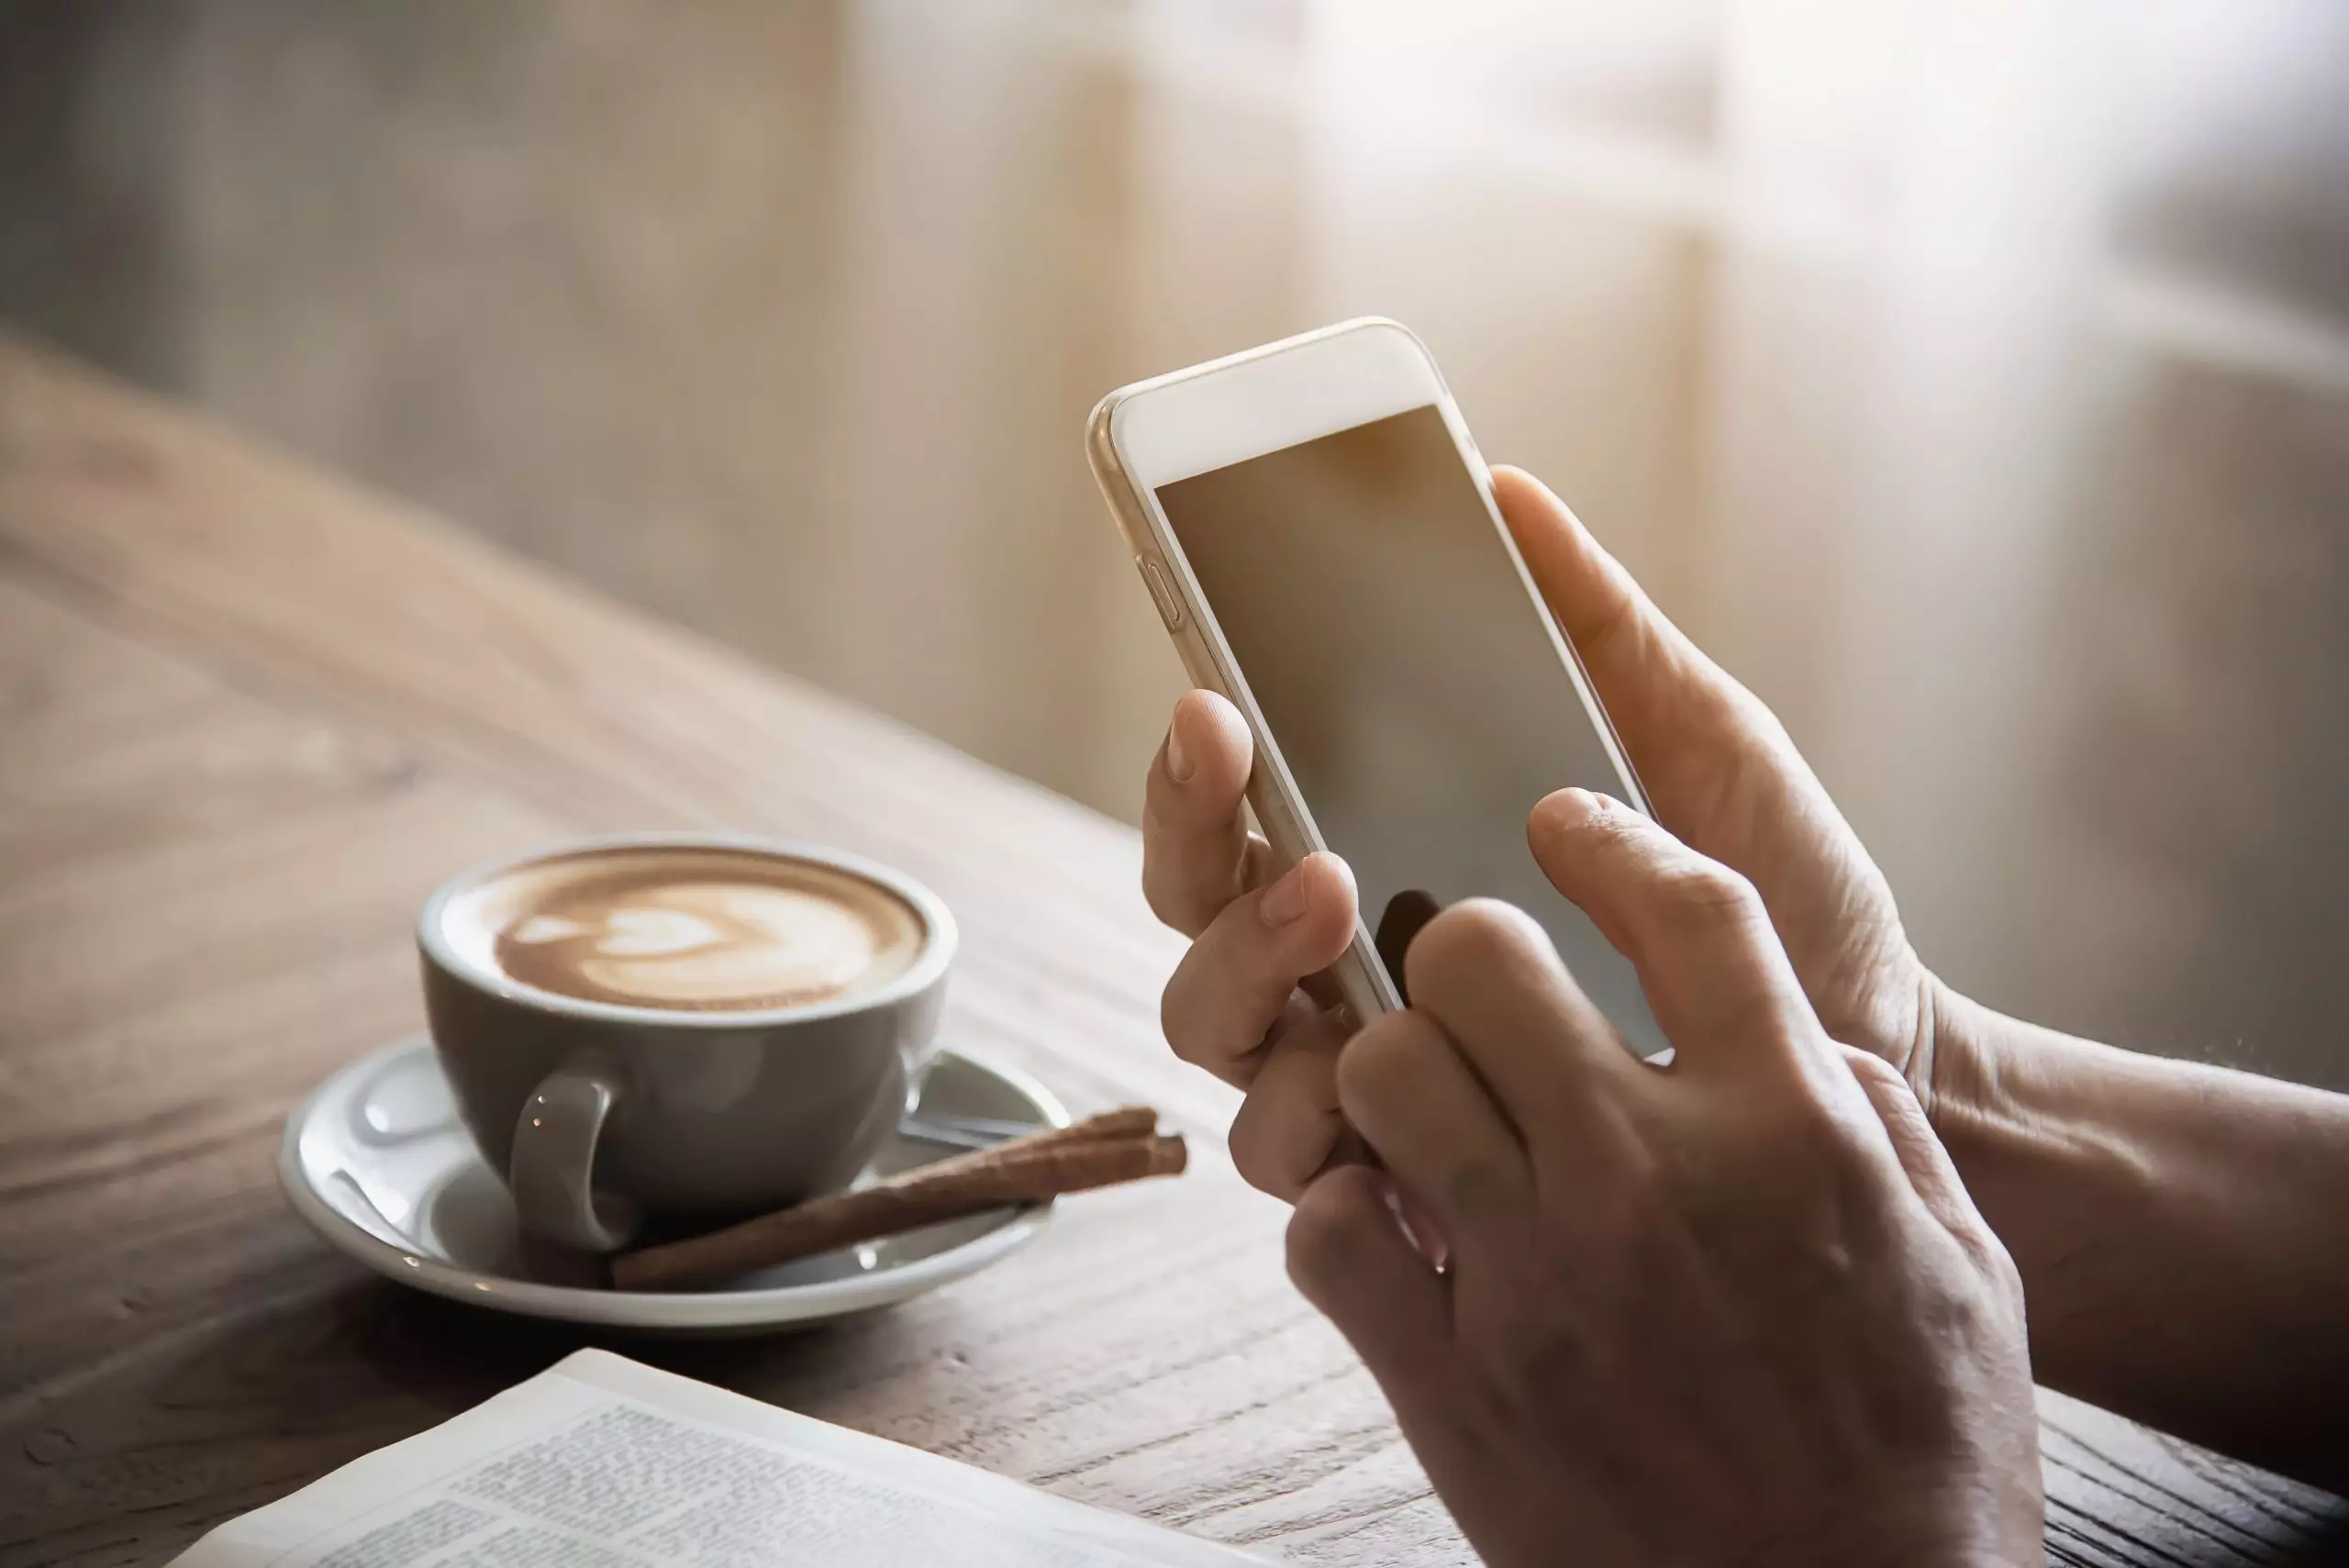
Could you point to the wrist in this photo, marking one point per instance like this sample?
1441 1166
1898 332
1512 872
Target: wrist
1953 1065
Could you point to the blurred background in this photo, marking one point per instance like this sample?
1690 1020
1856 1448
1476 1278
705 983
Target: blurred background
1971 377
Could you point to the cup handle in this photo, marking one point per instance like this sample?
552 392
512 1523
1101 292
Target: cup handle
554 1169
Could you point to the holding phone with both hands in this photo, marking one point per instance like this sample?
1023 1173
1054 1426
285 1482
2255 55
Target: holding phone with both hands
1318 535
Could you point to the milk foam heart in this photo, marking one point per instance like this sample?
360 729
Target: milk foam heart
695 930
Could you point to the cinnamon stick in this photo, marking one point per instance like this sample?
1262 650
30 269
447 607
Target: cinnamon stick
1116 1146
1124 1122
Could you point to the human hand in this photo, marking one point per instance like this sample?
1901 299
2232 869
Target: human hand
1738 1310
1718 767
1247 1002
1722 774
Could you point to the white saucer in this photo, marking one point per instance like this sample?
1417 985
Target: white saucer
377 1162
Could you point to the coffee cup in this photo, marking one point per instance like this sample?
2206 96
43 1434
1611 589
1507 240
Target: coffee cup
680 1029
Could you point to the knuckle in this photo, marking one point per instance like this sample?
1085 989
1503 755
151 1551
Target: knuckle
1876 1074
1478 1184
1312 1256
1216 1005
1320 1238
1888 1099
1618 1215
1804 1121
1834 1155
1272 1143
1260 1168
1175 1023
1170 892
1155 895
1789 1149
1886 1091
1702 898
1854 1160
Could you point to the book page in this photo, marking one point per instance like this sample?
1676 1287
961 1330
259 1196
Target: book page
601 1463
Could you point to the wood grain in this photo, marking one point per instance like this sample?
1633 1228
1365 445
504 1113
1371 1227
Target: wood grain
248 714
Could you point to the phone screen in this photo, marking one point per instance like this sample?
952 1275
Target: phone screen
1408 675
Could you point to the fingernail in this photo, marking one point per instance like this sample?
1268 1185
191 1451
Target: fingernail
1178 760
1284 900
1578 805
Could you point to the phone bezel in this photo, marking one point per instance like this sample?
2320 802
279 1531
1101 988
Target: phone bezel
1226 411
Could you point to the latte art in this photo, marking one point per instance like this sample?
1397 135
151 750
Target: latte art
692 929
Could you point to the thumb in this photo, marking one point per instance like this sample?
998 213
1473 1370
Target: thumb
1657 686
1605 613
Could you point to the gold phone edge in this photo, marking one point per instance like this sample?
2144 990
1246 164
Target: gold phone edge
1363 988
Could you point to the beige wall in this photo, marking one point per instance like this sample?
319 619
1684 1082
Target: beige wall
1979 392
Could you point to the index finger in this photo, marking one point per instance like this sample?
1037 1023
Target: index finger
1197 855
1713 971
1487 974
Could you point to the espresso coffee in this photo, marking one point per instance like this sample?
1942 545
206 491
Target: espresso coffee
687 928
679 1027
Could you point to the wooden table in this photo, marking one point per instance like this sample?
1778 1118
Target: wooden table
249 715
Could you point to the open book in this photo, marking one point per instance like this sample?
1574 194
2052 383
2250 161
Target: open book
599 1462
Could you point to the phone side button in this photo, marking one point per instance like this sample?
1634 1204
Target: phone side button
1162 593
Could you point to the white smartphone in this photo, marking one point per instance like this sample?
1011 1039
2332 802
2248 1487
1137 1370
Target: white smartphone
1318 533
